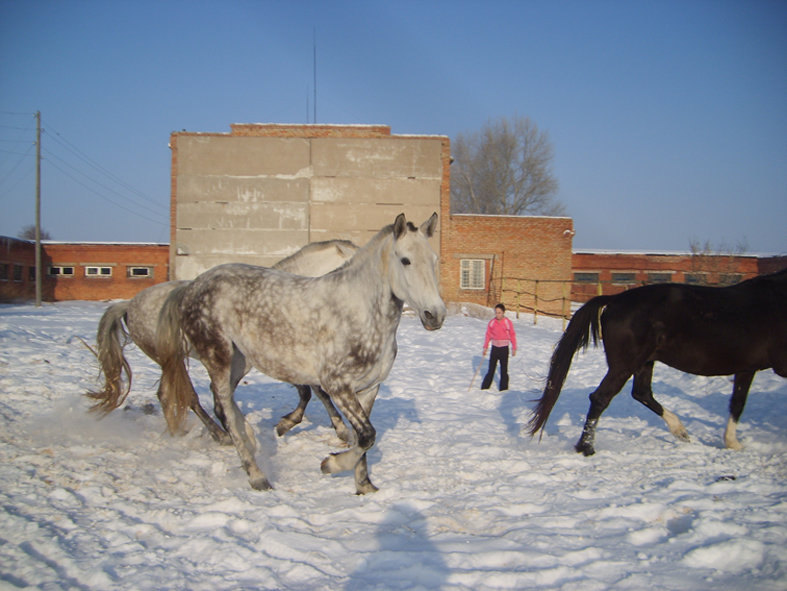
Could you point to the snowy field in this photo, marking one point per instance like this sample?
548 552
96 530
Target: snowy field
466 501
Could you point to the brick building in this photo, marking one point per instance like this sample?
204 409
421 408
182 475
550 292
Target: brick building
604 272
80 270
524 262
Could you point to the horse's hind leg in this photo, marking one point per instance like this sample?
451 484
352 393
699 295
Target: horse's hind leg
336 419
218 434
642 392
740 392
224 365
599 401
288 421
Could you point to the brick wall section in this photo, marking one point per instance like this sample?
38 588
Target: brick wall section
17 257
517 251
680 267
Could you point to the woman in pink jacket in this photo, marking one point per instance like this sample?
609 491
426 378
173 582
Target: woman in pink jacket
500 331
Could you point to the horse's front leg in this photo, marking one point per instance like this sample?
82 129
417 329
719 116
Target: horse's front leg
740 392
355 457
599 401
288 421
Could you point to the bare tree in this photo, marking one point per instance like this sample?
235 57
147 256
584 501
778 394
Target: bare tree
716 265
29 233
505 168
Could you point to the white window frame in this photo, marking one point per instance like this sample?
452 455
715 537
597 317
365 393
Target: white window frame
472 274
98 272
130 272
60 271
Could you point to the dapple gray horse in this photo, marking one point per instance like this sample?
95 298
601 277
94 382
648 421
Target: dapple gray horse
337 330
141 315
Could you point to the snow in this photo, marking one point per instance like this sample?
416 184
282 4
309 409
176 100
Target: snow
466 500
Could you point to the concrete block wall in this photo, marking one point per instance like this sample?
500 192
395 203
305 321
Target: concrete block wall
263 191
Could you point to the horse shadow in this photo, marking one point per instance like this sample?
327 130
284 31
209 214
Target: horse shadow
405 557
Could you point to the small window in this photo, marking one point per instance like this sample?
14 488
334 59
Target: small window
18 272
3 271
57 271
472 273
659 277
730 278
98 271
626 277
585 277
695 278
133 272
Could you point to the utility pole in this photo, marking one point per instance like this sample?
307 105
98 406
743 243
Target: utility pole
38 209
314 40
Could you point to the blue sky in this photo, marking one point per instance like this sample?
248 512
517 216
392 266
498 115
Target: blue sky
668 119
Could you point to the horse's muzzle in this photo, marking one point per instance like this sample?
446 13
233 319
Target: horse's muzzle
433 319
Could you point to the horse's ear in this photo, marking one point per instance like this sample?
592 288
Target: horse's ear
400 226
428 227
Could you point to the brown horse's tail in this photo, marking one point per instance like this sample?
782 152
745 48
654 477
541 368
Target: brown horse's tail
583 324
175 390
111 337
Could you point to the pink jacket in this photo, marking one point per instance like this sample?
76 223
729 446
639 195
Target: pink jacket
500 333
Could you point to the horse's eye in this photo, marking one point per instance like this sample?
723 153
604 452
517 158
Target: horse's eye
405 261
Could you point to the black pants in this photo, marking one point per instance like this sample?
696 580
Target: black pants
497 354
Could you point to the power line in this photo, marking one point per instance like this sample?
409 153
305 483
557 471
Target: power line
92 190
60 139
161 208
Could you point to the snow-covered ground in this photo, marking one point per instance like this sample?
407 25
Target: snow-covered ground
466 501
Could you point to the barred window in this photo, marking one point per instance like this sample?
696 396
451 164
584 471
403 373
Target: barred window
659 277
624 277
98 271
585 277
59 271
472 273
133 272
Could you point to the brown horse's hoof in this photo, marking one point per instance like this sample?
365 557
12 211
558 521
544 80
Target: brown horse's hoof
585 449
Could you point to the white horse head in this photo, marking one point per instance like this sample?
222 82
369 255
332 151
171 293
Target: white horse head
413 270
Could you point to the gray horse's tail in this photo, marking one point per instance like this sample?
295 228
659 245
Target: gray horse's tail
111 338
583 324
176 392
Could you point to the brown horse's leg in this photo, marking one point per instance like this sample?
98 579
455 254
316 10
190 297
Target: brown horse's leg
740 391
642 392
599 400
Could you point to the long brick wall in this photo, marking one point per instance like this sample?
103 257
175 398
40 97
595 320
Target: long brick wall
81 271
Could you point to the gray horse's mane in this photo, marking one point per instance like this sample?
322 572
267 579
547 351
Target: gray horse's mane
291 261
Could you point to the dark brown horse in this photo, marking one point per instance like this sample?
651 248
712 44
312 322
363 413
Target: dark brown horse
707 331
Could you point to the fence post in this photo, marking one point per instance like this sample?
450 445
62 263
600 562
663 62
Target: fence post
565 307
535 305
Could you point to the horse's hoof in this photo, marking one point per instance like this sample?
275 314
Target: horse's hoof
584 449
260 484
326 465
366 487
283 426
